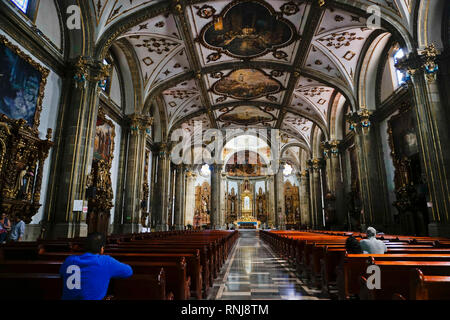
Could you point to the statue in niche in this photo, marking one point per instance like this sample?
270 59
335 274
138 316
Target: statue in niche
22 182
246 185
260 202
232 202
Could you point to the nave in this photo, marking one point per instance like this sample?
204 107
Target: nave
254 272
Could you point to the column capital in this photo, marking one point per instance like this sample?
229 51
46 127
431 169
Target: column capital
360 119
139 123
85 69
315 164
331 147
425 61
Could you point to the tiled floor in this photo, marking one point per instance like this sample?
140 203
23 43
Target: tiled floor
254 272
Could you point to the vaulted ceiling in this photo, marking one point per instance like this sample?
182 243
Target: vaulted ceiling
264 64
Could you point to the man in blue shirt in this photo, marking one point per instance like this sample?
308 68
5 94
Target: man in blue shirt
87 276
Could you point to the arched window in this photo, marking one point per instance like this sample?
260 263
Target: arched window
400 75
287 169
21 4
205 171
28 7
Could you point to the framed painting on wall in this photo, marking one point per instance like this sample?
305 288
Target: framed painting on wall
104 139
22 84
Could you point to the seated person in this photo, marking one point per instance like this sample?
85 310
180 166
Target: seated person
87 276
371 245
17 230
353 246
5 226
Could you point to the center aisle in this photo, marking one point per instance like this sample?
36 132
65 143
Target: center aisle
254 272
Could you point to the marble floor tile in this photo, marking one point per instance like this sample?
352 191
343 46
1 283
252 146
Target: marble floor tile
254 272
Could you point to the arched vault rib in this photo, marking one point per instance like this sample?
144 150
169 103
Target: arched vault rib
315 75
320 124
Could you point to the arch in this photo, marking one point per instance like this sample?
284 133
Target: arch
430 15
369 69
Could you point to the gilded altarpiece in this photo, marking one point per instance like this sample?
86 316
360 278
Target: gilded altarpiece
261 205
22 152
99 181
292 203
202 205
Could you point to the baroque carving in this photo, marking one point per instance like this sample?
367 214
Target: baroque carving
22 158
100 193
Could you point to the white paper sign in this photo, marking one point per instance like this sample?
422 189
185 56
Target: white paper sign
78 205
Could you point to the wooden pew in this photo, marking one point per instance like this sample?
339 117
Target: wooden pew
395 277
152 286
177 280
428 287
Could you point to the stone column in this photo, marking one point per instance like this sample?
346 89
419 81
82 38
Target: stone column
222 200
316 166
280 214
161 192
335 184
73 148
271 201
305 211
189 207
137 134
179 197
371 172
432 133
215 195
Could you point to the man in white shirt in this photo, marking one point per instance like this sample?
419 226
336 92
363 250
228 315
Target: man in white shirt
371 245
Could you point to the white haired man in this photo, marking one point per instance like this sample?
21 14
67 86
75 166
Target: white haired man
371 245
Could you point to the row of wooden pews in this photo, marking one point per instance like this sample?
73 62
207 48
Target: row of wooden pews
176 265
414 268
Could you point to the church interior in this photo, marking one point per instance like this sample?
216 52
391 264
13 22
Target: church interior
226 149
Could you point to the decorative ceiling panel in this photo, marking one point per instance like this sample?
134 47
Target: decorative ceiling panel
344 46
160 57
246 116
246 30
246 84
181 101
334 19
108 12
302 125
198 123
317 60
317 96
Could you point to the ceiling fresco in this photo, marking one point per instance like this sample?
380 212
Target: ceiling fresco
246 84
246 115
247 30
245 63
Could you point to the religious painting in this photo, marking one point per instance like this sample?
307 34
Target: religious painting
246 84
245 115
104 139
22 84
247 30
403 134
245 163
